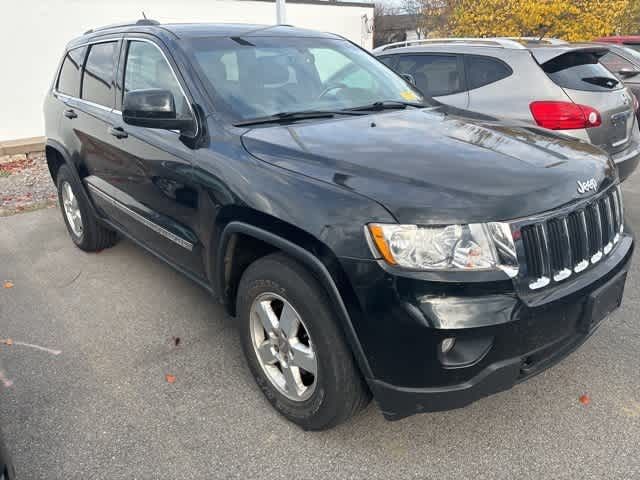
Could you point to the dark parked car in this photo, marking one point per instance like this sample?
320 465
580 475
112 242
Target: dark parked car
550 83
624 63
367 240
631 41
7 471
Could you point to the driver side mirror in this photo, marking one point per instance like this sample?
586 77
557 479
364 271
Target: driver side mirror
628 72
409 78
153 108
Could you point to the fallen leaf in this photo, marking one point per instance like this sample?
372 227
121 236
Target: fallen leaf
8 284
584 399
170 378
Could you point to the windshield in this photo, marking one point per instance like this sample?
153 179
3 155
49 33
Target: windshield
254 77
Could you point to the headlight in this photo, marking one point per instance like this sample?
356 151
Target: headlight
477 246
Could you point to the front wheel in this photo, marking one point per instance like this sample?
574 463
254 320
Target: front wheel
294 348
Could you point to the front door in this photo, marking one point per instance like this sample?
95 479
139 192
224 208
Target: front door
148 182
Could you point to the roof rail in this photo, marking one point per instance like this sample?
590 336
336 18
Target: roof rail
481 42
537 40
142 21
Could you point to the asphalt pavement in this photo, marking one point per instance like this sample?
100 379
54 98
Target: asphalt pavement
103 408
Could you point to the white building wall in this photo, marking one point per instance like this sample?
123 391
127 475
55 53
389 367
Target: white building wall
33 34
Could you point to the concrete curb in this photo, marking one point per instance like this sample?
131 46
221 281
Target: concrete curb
24 145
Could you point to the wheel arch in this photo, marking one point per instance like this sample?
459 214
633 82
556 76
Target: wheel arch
57 156
309 252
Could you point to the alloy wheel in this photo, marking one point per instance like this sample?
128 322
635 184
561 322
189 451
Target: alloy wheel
283 346
72 210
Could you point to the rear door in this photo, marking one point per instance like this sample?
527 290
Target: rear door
440 76
587 82
487 81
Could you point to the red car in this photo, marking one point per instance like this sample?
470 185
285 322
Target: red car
632 41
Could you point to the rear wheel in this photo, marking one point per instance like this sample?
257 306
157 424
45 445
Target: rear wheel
84 228
295 350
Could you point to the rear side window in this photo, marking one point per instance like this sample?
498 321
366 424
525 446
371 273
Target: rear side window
435 75
389 61
483 71
581 71
69 79
615 63
98 79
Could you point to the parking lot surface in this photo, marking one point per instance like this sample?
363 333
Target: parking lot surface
103 407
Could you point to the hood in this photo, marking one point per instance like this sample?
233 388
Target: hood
435 166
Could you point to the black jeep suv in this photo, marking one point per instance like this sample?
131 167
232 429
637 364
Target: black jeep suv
367 240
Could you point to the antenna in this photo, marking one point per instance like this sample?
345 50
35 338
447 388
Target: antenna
143 15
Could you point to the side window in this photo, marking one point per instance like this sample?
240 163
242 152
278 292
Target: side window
435 75
98 78
614 63
483 71
355 77
69 79
328 62
389 61
359 79
146 68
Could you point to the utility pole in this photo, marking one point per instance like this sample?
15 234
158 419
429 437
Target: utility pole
281 13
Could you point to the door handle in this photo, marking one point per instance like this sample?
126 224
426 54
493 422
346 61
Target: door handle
70 113
118 132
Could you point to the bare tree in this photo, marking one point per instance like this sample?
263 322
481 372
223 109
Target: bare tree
414 11
383 29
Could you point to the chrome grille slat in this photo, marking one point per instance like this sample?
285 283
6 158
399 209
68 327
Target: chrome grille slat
609 224
597 225
616 210
560 246
584 237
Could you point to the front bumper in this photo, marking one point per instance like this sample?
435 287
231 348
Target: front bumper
627 161
401 335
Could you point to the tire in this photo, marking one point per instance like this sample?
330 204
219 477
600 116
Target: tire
91 236
337 391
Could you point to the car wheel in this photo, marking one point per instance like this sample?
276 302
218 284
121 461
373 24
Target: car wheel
294 348
83 226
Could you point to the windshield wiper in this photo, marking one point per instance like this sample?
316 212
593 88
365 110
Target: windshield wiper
386 105
607 82
292 116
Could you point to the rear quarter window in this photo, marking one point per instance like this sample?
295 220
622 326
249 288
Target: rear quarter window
69 78
581 71
482 71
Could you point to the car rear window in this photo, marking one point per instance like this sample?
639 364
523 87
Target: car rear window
581 71
69 79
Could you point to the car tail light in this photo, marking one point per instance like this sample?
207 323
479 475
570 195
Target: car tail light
564 115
